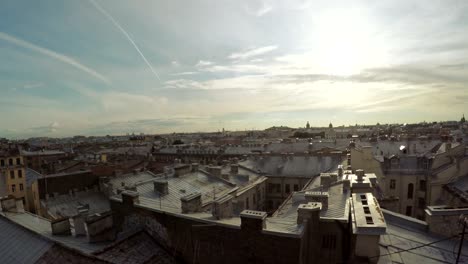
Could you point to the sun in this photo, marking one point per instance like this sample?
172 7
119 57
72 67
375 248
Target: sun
345 42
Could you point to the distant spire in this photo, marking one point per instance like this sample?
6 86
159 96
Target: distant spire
463 120
307 125
330 125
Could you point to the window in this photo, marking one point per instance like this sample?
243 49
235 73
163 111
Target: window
20 173
329 241
278 188
409 210
253 199
13 188
18 161
271 187
12 174
21 186
296 187
410 191
247 203
2 163
422 185
421 203
288 190
392 184
10 162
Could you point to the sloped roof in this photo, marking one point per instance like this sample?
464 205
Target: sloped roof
293 166
18 245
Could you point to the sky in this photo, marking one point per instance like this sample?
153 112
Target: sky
98 67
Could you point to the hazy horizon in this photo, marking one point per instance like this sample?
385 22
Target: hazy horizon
117 67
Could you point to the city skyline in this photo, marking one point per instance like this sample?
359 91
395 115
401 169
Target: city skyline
102 67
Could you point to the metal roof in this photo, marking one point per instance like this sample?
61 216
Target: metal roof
18 245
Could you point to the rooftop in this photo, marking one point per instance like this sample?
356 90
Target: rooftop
292 165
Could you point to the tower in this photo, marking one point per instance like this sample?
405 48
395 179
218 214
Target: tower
307 125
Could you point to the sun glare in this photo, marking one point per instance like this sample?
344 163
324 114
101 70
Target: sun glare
345 43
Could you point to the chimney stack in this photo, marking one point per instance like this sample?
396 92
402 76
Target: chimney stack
253 220
360 175
308 211
222 207
161 187
130 198
318 197
100 227
234 168
191 203
61 227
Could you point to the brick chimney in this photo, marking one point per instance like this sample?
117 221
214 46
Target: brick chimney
253 220
191 203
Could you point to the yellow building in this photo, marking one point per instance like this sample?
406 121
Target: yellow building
13 176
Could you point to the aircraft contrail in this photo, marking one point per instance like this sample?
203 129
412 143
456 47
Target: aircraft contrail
105 13
54 55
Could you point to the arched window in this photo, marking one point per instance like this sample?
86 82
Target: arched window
410 191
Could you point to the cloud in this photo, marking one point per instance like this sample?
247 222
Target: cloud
44 130
175 63
33 85
203 63
53 55
184 73
252 52
109 16
258 8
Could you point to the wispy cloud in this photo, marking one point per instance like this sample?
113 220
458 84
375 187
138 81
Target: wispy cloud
52 54
184 73
252 52
203 63
109 16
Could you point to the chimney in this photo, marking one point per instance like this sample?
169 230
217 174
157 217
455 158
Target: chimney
194 167
130 198
222 207
180 170
215 171
161 187
100 227
61 227
79 220
318 197
253 220
191 203
325 179
308 211
360 175
234 168
346 185
340 171
8 204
